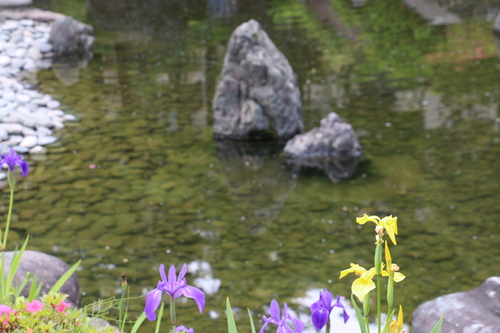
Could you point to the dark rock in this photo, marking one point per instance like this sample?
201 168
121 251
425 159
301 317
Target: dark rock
473 311
333 147
69 37
48 270
258 89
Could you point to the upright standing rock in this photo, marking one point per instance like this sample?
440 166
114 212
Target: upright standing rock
258 89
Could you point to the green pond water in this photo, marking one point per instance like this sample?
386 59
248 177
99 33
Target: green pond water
423 100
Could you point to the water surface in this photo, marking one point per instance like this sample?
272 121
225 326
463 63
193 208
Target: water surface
139 181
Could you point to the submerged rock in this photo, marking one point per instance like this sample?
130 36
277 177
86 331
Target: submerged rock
332 147
258 89
473 311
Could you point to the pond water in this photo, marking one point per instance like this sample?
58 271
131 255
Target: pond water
139 181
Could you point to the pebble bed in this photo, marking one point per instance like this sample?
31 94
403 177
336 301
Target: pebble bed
27 117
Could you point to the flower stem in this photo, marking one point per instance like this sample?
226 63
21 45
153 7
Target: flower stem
378 268
12 183
172 314
379 301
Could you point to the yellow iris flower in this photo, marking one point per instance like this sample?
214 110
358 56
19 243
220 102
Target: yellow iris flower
364 283
388 223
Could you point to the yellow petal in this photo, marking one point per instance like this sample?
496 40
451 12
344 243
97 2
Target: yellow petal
388 258
360 287
355 268
390 225
366 218
398 277
370 274
400 319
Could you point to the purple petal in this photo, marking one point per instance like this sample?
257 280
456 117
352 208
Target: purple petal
266 322
299 325
171 280
340 305
274 310
316 305
185 329
153 300
182 273
162 273
196 294
327 300
319 318
24 167
284 329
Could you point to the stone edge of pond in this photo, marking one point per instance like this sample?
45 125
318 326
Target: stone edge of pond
30 38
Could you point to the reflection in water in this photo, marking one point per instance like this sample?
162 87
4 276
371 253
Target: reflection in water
258 181
335 168
218 9
67 69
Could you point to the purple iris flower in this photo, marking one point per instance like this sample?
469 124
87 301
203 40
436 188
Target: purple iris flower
12 159
175 286
321 309
279 321
183 328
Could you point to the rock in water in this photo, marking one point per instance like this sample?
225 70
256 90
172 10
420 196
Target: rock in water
258 89
333 147
474 311
69 36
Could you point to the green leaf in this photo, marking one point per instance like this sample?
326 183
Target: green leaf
16 259
62 280
138 322
251 321
387 325
361 320
437 328
231 325
158 320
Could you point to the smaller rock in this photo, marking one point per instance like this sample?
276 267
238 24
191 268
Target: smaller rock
43 47
38 150
12 128
4 135
43 131
20 150
4 60
29 141
23 98
53 104
69 117
46 140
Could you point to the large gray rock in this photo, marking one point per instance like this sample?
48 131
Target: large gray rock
258 88
48 270
473 311
333 147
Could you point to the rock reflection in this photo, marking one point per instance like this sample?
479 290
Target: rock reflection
258 181
67 69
